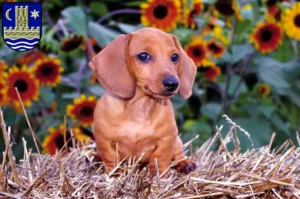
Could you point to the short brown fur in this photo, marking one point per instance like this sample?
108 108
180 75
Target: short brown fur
136 114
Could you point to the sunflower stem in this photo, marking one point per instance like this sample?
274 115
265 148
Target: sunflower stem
229 70
244 71
116 12
53 26
63 28
79 73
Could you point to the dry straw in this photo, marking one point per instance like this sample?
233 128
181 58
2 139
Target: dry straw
223 173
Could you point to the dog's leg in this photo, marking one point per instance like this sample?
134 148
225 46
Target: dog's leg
163 153
107 151
184 166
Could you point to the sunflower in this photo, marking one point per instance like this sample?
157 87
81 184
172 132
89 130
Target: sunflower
215 48
55 140
94 44
189 20
210 25
228 8
212 73
3 67
263 89
83 109
3 89
267 36
291 21
190 13
71 43
272 9
48 71
197 7
196 50
81 135
162 14
30 57
218 33
26 84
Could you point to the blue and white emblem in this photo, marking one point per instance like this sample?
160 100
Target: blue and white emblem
21 25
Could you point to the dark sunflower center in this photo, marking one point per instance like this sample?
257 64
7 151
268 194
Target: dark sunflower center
97 48
71 44
266 35
160 12
47 71
213 47
225 7
86 112
271 2
211 26
297 20
60 141
197 52
21 85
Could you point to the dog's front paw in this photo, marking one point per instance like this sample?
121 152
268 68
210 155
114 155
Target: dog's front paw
185 166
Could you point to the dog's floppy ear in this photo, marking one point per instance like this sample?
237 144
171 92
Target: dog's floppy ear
187 71
111 68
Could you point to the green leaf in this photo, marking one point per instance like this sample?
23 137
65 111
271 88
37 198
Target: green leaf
271 72
102 34
240 51
98 8
211 110
247 14
251 109
256 11
294 97
96 90
72 95
242 28
178 102
258 128
197 126
266 111
61 102
47 95
285 52
279 124
134 3
183 34
76 19
127 28
234 81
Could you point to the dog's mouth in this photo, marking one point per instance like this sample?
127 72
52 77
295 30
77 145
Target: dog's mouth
159 95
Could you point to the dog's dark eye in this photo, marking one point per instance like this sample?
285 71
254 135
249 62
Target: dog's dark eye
143 57
175 58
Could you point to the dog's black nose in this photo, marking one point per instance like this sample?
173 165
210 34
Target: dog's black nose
170 83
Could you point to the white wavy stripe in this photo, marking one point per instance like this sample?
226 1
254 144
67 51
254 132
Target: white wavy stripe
21 42
17 47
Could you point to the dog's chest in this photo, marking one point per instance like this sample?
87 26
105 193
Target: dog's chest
137 126
136 135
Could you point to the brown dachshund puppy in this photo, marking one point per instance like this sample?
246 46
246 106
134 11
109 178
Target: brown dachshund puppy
141 71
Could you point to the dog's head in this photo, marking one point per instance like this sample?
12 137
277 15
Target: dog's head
148 58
